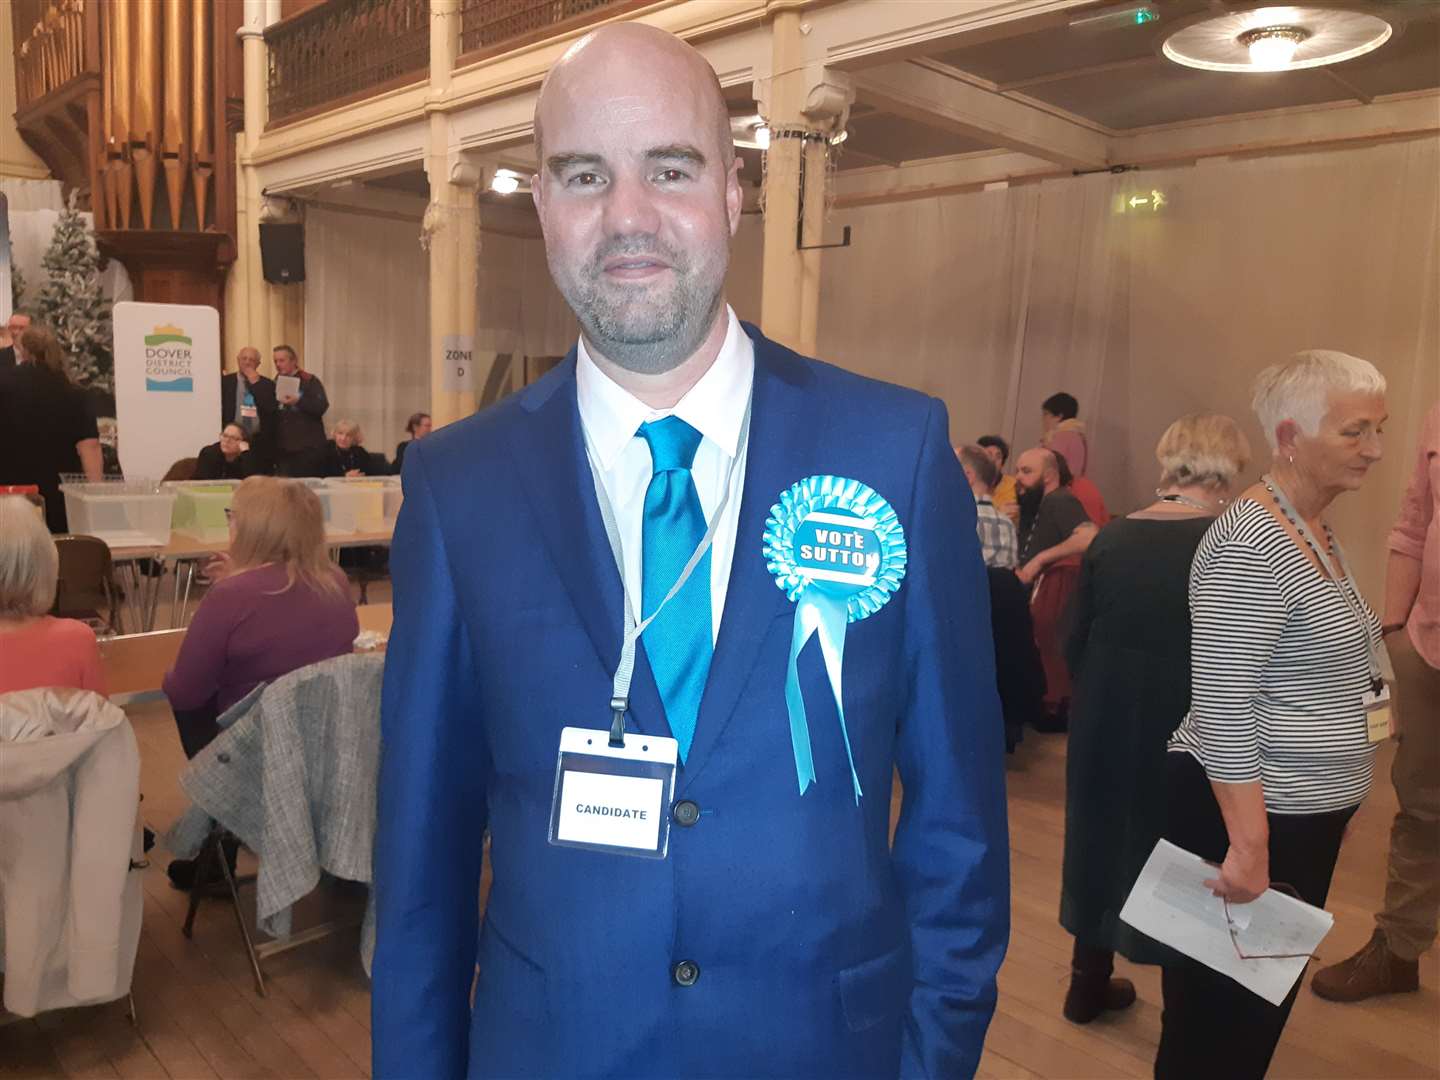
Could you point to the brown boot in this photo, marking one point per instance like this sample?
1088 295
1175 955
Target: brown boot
1088 997
1371 971
1092 990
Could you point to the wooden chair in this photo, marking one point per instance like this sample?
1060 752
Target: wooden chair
184 469
86 585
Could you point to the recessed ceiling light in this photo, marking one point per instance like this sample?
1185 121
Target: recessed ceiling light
1272 39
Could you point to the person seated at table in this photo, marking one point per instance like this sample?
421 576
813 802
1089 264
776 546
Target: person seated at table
417 427
346 456
229 459
37 649
278 604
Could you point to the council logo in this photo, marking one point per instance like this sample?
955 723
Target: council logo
168 360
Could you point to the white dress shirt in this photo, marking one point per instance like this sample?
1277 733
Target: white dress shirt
715 406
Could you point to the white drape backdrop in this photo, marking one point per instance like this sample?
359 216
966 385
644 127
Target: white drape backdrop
367 319
518 310
994 300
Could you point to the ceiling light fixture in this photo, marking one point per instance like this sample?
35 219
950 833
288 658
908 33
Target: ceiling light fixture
750 132
1273 47
505 182
1270 39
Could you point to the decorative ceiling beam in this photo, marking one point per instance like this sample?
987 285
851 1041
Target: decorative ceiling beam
1277 132
1346 85
848 151
932 95
1080 73
1398 116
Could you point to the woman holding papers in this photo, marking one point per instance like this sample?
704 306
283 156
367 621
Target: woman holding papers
1287 702
1130 654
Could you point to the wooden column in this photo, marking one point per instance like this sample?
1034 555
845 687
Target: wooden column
451 226
804 104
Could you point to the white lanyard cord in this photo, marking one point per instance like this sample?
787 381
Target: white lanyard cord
1372 650
625 669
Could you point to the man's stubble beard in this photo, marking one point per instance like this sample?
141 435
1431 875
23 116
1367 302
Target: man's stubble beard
648 336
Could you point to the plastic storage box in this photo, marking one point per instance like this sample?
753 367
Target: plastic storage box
374 500
122 513
339 506
200 507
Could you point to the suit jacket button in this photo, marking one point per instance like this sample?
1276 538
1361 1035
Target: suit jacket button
686 813
686 973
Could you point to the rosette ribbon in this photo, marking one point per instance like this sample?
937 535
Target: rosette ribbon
837 550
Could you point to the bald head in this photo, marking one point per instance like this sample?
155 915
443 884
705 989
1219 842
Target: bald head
638 64
638 195
1037 469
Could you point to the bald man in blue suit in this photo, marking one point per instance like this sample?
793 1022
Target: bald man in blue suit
781 934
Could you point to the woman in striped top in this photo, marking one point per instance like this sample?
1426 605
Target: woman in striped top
1274 756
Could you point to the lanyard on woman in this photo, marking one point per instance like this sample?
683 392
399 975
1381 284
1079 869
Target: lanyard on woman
1351 598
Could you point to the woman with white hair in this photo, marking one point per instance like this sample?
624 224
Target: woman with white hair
1286 702
37 649
345 454
1129 653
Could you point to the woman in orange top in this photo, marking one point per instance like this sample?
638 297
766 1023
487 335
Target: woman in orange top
35 648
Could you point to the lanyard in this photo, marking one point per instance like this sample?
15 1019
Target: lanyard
1351 601
625 669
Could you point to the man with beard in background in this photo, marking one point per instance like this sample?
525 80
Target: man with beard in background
1054 533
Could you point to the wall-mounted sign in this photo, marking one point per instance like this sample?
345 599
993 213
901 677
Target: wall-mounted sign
459 362
1140 202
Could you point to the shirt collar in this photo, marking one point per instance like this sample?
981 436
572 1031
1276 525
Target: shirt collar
714 406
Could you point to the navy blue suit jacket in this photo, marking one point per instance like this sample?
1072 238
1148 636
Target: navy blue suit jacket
822 951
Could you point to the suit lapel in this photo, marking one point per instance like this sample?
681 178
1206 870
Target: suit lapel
779 448
549 454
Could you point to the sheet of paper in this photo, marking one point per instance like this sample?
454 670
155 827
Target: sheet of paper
1171 904
287 386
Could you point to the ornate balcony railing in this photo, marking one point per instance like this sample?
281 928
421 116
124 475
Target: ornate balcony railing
488 25
343 50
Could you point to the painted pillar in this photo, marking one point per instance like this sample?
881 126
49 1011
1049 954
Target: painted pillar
804 104
452 232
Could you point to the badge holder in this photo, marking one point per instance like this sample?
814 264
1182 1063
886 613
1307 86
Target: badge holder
1379 722
613 789
614 799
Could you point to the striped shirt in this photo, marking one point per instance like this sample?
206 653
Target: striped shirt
1278 665
998 544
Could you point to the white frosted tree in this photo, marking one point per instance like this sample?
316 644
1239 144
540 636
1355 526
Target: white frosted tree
72 304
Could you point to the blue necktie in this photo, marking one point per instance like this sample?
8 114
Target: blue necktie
678 642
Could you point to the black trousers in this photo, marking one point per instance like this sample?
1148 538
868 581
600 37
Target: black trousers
197 728
1212 1026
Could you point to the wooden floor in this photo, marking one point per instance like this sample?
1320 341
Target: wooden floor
199 1015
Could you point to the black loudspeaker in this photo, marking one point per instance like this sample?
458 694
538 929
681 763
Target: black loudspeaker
282 253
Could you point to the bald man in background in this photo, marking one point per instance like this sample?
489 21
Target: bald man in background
779 934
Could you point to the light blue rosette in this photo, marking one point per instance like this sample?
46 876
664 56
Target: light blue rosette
838 551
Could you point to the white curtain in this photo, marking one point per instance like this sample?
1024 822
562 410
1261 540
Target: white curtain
367 319
24 194
994 300
517 307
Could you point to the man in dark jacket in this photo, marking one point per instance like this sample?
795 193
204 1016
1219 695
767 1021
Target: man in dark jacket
247 398
300 432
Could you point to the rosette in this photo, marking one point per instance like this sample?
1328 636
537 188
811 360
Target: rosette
837 550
